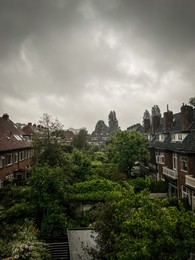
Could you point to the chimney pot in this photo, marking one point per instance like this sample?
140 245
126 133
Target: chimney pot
5 116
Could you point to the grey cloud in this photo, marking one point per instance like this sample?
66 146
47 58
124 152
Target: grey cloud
69 54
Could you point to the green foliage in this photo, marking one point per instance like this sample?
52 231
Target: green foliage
125 148
81 165
158 186
25 244
100 127
80 140
140 184
113 122
96 190
49 188
47 142
134 227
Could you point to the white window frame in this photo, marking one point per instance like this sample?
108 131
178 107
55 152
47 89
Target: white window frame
174 161
9 157
184 162
21 156
160 158
16 157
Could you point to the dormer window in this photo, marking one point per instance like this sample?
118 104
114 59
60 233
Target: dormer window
161 137
178 137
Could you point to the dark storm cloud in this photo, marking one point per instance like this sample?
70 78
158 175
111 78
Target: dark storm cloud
61 55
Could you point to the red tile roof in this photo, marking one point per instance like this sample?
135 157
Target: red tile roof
11 137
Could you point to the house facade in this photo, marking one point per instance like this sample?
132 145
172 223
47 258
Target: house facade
15 151
172 151
68 137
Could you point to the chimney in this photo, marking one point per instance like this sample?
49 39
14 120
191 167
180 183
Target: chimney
6 117
168 120
186 117
155 123
146 124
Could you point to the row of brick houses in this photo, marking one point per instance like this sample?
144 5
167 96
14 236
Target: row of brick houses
172 149
15 150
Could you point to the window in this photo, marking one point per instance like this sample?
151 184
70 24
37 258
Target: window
184 164
161 137
173 137
174 161
1 161
21 156
9 158
26 154
16 157
160 158
184 192
180 137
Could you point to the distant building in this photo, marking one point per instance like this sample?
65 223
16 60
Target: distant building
76 131
68 136
136 127
29 131
15 151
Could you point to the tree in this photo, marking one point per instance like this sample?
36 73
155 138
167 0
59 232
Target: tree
146 114
26 245
47 141
192 101
155 111
113 122
81 165
80 140
125 148
48 193
134 227
100 127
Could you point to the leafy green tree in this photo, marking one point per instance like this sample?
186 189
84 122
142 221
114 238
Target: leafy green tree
25 244
81 165
80 141
47 141
134 227
98 190
48 192
100 127
125 148
113 122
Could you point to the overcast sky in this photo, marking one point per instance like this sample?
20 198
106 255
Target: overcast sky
79 59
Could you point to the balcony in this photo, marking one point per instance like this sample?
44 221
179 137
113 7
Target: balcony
170 173
190 181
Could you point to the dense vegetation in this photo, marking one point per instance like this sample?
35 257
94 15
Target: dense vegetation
130 225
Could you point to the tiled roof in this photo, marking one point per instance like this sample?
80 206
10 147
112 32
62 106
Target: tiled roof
28 130
187 145
11 137
68 135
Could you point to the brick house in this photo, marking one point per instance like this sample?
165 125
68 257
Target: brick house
15 151
172 149
68 136
98 138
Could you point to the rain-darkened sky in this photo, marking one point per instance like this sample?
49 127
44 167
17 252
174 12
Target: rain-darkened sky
79 59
